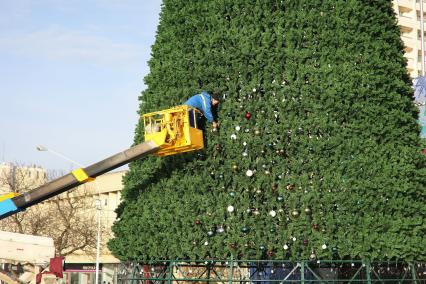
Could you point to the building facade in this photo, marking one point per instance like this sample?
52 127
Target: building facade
80 266
84 205
408 14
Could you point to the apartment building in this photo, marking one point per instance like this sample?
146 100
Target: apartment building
14 177
408 14
105 191
101 196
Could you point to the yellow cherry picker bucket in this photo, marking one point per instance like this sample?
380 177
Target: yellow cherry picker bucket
174 130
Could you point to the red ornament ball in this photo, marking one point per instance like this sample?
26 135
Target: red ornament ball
315 226
248 115
305 242
270 253
198 222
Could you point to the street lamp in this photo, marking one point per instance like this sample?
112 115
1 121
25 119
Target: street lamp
98 206
43 148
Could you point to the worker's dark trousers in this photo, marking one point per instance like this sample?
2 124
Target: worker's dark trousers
201 123
198 119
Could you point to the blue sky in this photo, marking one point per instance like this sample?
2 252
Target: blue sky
70 75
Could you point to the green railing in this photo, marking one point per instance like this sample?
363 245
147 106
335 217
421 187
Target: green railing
271 271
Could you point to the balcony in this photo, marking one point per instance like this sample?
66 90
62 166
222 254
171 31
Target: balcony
406 22
406 4
409 43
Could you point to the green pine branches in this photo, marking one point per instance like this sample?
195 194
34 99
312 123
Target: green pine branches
332 142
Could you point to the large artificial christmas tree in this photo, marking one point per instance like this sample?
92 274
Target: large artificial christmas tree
318 154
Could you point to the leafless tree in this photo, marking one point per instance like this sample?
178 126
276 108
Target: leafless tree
68 218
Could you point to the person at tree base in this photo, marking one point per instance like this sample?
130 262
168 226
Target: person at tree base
207 104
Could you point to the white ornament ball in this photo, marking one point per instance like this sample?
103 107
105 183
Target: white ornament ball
273 213
245 154
237 128
230 208
249 173
206 243
285 247
294 239
254 90
244 143
233 136
324 246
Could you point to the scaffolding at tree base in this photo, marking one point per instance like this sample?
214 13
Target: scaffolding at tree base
271 271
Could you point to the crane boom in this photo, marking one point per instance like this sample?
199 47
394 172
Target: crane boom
167 132
71 180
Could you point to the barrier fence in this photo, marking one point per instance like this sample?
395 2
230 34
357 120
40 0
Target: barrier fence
271 271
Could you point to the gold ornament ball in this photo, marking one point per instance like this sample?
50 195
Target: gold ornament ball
295 213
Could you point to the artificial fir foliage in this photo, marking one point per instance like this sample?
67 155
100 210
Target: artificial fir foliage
318 154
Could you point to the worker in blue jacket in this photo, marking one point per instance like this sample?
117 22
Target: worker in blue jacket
207 104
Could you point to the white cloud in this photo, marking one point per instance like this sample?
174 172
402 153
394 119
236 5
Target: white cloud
70 45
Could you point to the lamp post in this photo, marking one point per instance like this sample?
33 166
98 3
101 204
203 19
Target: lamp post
43 148
98 207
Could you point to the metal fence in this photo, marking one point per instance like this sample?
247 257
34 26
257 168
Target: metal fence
268 271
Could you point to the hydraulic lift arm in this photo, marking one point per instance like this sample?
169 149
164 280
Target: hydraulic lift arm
167 132
76 178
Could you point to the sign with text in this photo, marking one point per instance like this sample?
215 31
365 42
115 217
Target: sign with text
81 267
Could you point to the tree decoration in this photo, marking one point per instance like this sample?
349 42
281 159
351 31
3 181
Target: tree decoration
325 105
245 230
295 213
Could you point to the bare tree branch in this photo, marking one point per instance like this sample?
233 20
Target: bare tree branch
68 218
